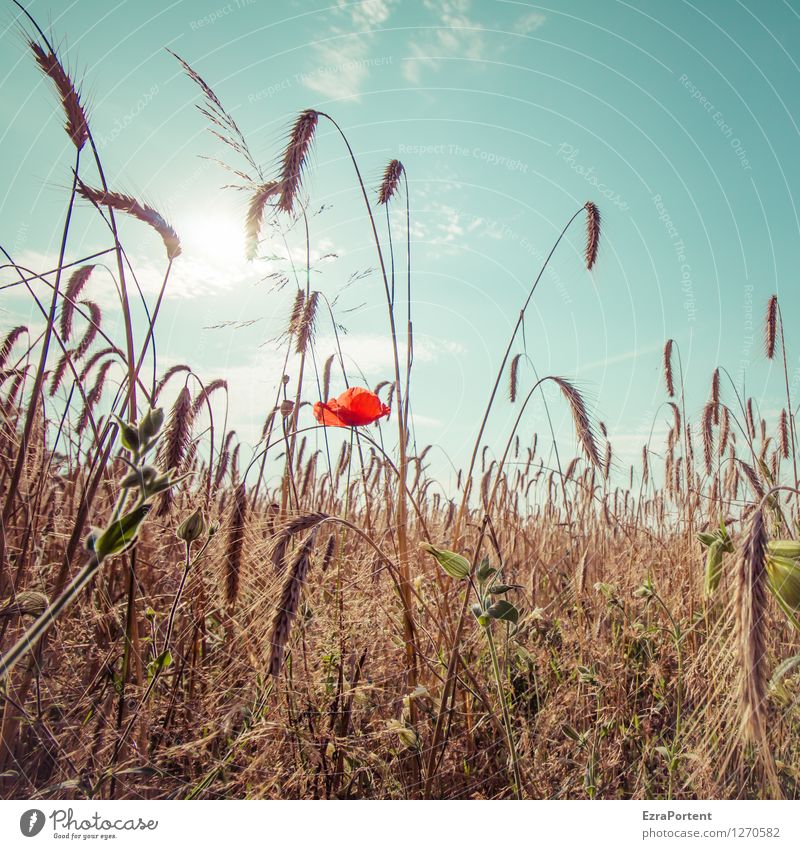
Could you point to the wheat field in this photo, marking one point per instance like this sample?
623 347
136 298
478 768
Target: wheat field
176 625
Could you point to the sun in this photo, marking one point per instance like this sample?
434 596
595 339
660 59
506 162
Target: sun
213 235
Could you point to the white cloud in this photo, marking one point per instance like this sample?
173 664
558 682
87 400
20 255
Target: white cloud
459 34
345 57
529 23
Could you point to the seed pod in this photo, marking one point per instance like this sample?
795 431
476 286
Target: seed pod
783 575
713 568
456 565
150 425
192 527
784 547
26 603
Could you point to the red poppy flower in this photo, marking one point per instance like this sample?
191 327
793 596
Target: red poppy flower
355 407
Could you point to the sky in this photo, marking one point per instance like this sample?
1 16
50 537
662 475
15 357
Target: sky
679 120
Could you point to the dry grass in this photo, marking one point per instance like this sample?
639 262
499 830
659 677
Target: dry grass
302 646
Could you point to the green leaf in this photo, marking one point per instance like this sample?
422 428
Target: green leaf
120 534
504 611
485 570
707 539
162 662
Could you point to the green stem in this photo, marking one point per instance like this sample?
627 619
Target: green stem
512 749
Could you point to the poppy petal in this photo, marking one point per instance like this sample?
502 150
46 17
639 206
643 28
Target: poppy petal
327 416
363 407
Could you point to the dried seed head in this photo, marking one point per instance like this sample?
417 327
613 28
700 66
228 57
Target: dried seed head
783 435
750 606
750 419
255 215
668 376
771 326
8 343
305 329
296 315
708 435
295 157
326 377
235 546
77 126
289 602
715 394
390 182
513 377
580 417
724 430
75 285
592 233
131 206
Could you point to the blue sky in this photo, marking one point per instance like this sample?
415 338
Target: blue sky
680 120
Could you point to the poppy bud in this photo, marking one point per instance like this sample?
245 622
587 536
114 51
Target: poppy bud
150 425
192 527
128 435
287 408
783 574
456 565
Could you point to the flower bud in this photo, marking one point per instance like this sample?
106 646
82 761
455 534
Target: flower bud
150 425
192 527
456 565
128 435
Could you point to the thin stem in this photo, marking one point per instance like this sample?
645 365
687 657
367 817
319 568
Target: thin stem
512 749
